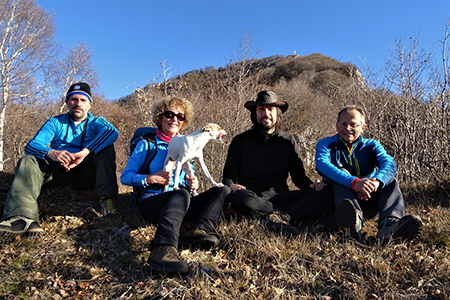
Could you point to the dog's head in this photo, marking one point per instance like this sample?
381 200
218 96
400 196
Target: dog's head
214 130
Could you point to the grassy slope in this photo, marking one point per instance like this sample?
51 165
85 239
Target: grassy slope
85 256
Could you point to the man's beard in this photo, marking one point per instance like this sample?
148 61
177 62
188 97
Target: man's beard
76 115
265 126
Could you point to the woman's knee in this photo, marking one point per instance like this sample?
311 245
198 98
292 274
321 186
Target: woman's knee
181 197
222 191
181 194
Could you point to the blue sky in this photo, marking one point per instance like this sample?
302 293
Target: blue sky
129 39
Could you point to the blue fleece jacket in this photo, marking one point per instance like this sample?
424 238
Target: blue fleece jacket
131 176
59 133
365 158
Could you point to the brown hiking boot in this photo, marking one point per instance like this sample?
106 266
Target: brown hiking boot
199 238
165 259
278 221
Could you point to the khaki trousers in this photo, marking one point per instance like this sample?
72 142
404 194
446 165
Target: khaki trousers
97 171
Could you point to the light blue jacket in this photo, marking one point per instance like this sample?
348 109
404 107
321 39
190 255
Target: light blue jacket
59 133
131 176
365 158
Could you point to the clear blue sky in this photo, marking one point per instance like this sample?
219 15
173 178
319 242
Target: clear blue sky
129 39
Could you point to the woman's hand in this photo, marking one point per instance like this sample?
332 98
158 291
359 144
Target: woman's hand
161 177
193 182
317 185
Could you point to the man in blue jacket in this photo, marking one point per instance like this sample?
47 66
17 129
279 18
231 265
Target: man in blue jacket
74 148
362 177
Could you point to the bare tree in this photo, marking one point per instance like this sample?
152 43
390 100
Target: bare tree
26 47
76 66
165 75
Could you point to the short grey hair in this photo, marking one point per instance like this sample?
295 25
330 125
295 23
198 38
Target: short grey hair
350 108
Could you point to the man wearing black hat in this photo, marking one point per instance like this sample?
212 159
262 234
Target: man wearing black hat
258 164
74 148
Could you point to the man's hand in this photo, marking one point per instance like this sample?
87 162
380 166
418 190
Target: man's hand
193 182
77 159
61 156
317 185
365 186
234 187
161 177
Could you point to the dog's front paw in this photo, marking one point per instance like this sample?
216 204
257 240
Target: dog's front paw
219 184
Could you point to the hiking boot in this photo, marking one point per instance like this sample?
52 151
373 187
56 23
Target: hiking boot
326 223
278 221
199 238
19 226
348 219
407 228
107 206
165 259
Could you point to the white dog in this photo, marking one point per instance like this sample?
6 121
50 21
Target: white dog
184 148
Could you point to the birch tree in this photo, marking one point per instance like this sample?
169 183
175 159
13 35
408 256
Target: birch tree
26 48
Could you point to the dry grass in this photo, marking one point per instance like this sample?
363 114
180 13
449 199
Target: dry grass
84 256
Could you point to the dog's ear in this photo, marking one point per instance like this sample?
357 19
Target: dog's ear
207 127
211 127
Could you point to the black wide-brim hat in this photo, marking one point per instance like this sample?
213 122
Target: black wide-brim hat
267 98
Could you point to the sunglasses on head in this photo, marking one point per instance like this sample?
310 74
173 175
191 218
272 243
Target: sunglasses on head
170 115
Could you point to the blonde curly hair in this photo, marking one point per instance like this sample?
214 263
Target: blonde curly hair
162 105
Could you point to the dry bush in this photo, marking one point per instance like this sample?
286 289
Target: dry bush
22 122
303 104
125 124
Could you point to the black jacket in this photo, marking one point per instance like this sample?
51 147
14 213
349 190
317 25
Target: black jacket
262 162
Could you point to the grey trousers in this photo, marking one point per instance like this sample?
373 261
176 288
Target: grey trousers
385 202
97 171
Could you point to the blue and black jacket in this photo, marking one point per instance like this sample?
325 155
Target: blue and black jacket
60 133
364 158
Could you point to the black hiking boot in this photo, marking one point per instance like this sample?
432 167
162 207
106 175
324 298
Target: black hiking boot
198 238
278 222
19 226
348 219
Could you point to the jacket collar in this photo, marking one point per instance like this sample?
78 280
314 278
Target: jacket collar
354 143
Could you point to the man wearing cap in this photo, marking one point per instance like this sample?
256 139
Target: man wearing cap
74 148
258 164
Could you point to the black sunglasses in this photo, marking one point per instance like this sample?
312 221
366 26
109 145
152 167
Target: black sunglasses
170 114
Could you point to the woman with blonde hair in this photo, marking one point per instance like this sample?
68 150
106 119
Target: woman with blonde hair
168 209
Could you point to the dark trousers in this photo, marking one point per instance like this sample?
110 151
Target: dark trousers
301 206
95 171
168 210
387 201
